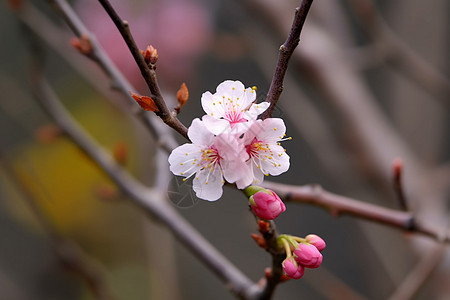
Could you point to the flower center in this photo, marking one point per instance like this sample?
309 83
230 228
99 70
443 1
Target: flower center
255 147
210 157
234 116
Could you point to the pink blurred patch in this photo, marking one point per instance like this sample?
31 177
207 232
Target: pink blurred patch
179 30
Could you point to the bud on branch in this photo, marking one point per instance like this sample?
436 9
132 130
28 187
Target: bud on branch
82 44
145 102
182 97
150 55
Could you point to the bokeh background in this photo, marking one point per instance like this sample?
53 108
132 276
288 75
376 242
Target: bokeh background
203 43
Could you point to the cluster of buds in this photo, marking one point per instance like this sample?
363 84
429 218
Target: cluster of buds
265 203
301 253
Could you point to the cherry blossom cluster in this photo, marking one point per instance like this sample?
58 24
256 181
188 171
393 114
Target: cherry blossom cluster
301 253
229 143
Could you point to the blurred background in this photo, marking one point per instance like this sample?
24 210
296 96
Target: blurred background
368 83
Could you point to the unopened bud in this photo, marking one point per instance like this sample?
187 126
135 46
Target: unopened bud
150 55
145 102
265 203
120 153
182 97
82 44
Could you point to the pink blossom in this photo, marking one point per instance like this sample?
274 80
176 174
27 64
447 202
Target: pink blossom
181 30
315 240
231 109
209 159
266 204
266 156
292 269
308 256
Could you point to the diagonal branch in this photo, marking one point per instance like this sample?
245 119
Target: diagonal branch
69 254
30 16
148 73
338 205
285 53
149 200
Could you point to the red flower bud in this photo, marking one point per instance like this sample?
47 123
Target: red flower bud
308 256
292 269
316 240
266 204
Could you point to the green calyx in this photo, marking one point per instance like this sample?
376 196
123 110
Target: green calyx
253 189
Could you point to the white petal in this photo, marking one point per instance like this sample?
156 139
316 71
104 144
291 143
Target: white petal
184 159
254 131
247 177
249 97
208 184
216 126
239 128
278 162
213 105
256 109
271 131
228 86
199 134
233 156
258 175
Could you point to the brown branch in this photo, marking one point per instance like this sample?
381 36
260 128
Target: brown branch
47 32
339 205
397 171
148 73
270 236
285 53
71 257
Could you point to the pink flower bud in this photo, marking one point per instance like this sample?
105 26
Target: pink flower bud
266 204
292 269
316 240
308 256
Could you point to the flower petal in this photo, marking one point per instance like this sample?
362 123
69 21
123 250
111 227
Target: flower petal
248 177
208 184
216 126
199 134
271 131
233 156
256 109
213 105
184 159
276 163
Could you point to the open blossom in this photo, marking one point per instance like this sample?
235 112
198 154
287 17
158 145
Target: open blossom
266 156
209 159
231 109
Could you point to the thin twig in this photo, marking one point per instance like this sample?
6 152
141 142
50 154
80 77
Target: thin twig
285 53
397 171
31 17
419 274
151 201
148 73
69 254
338 205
